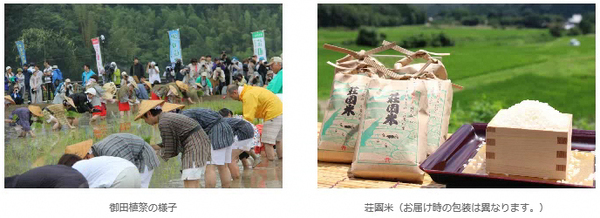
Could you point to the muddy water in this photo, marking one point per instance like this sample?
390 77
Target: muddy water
264 175
22 154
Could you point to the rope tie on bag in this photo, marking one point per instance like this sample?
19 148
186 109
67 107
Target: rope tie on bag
360 62
410 56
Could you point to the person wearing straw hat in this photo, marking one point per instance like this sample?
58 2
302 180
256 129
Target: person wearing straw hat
23 119
124 96
8 100
169 107
142 90
180 134
258 102
221 138
110 90
159 92
183 90
104 171
56 113
50 176
124 145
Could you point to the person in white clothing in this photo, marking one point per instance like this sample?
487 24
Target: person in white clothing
124 145
109 172
153 72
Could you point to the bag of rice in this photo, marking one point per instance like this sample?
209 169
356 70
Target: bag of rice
392 141
342 118
439 92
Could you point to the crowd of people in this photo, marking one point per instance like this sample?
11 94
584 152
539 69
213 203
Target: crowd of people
33 85
208 141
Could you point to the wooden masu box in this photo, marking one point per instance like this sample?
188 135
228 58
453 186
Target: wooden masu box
528 152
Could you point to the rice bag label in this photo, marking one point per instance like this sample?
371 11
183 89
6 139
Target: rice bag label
439 105
391 127
436 104
346 105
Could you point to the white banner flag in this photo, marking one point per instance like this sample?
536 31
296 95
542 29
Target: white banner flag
258 39
96 44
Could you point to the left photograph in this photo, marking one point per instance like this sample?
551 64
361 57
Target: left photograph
143 96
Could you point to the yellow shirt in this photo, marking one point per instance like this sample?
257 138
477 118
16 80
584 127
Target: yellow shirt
259 102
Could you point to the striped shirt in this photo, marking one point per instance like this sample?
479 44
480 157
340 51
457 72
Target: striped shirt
219 131
181 134
241 128
129 147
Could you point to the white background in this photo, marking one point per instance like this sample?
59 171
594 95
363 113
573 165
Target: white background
299 196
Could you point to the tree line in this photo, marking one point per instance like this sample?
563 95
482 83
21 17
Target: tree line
495 15
62 33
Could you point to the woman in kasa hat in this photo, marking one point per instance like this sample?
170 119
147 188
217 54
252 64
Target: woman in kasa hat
124 145
22 118
56 113
184 89
123 95
179 134
8 100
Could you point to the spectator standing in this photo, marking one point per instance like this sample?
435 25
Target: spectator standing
35 82
153 72
56 76
276 84
87 74
20 82
27 72
177 69
262 69
116 76
48 87
137 70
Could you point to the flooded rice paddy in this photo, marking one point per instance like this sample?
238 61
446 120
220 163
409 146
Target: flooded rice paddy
23 154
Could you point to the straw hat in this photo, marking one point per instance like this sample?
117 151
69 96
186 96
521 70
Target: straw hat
8 98
173 90
68 80
36 110
148 84
70 101
109 90
146 106
80 149
169 106
199 85
182 85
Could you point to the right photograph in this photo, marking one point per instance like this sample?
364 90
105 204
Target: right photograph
456 96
